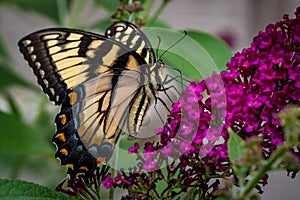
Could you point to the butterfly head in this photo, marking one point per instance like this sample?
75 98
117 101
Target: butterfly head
156 72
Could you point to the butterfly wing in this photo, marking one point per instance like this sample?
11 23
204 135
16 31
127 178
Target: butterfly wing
132 37
63 58
92 117
88 75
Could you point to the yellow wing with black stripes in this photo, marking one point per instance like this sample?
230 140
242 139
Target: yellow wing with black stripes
104 84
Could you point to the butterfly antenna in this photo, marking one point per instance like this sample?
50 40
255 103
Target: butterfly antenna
185 34
159 41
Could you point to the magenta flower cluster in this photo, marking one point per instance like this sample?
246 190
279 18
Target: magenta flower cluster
259 82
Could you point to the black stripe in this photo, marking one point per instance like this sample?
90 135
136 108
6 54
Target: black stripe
138 44
140 106
100 52
118 67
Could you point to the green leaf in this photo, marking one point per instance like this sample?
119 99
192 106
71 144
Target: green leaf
48 8
235 146
3 53
197 55
8 78
159 23
17 189
216 48
108 5
13 106
102 24
18 138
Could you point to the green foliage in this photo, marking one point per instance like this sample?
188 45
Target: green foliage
3 52
26 136
48 8
235 146
17 189
216 48
197 55
108 5
290 118
8 78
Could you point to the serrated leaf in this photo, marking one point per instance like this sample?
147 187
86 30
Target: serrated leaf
17 189
235 146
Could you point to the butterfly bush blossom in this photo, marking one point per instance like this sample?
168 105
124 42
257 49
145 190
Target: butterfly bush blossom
259 82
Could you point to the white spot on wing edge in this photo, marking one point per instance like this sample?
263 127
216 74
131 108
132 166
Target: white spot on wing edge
26 42
38 64
33 57
42 73
46 82
52 91
30 49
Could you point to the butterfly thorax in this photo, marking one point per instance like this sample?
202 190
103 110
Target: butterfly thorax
156 74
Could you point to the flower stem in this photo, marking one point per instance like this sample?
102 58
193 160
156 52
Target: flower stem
16 168
62 10
280 151
131 16
158 11
147 7
75 11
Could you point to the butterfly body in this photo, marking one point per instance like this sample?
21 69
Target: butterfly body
103 84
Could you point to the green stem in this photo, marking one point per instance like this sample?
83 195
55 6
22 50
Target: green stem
16 168
157 12
75 11
131 16
62 10
147 8
13 106
189 194
280 151
114 166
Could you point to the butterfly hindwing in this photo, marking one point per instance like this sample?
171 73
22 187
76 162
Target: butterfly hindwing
132 37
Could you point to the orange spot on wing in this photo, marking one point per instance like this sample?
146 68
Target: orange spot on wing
84 168
71 166
73 98
101 160
63 119
61 137
64 151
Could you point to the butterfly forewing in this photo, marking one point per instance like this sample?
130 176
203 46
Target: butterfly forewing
64 58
